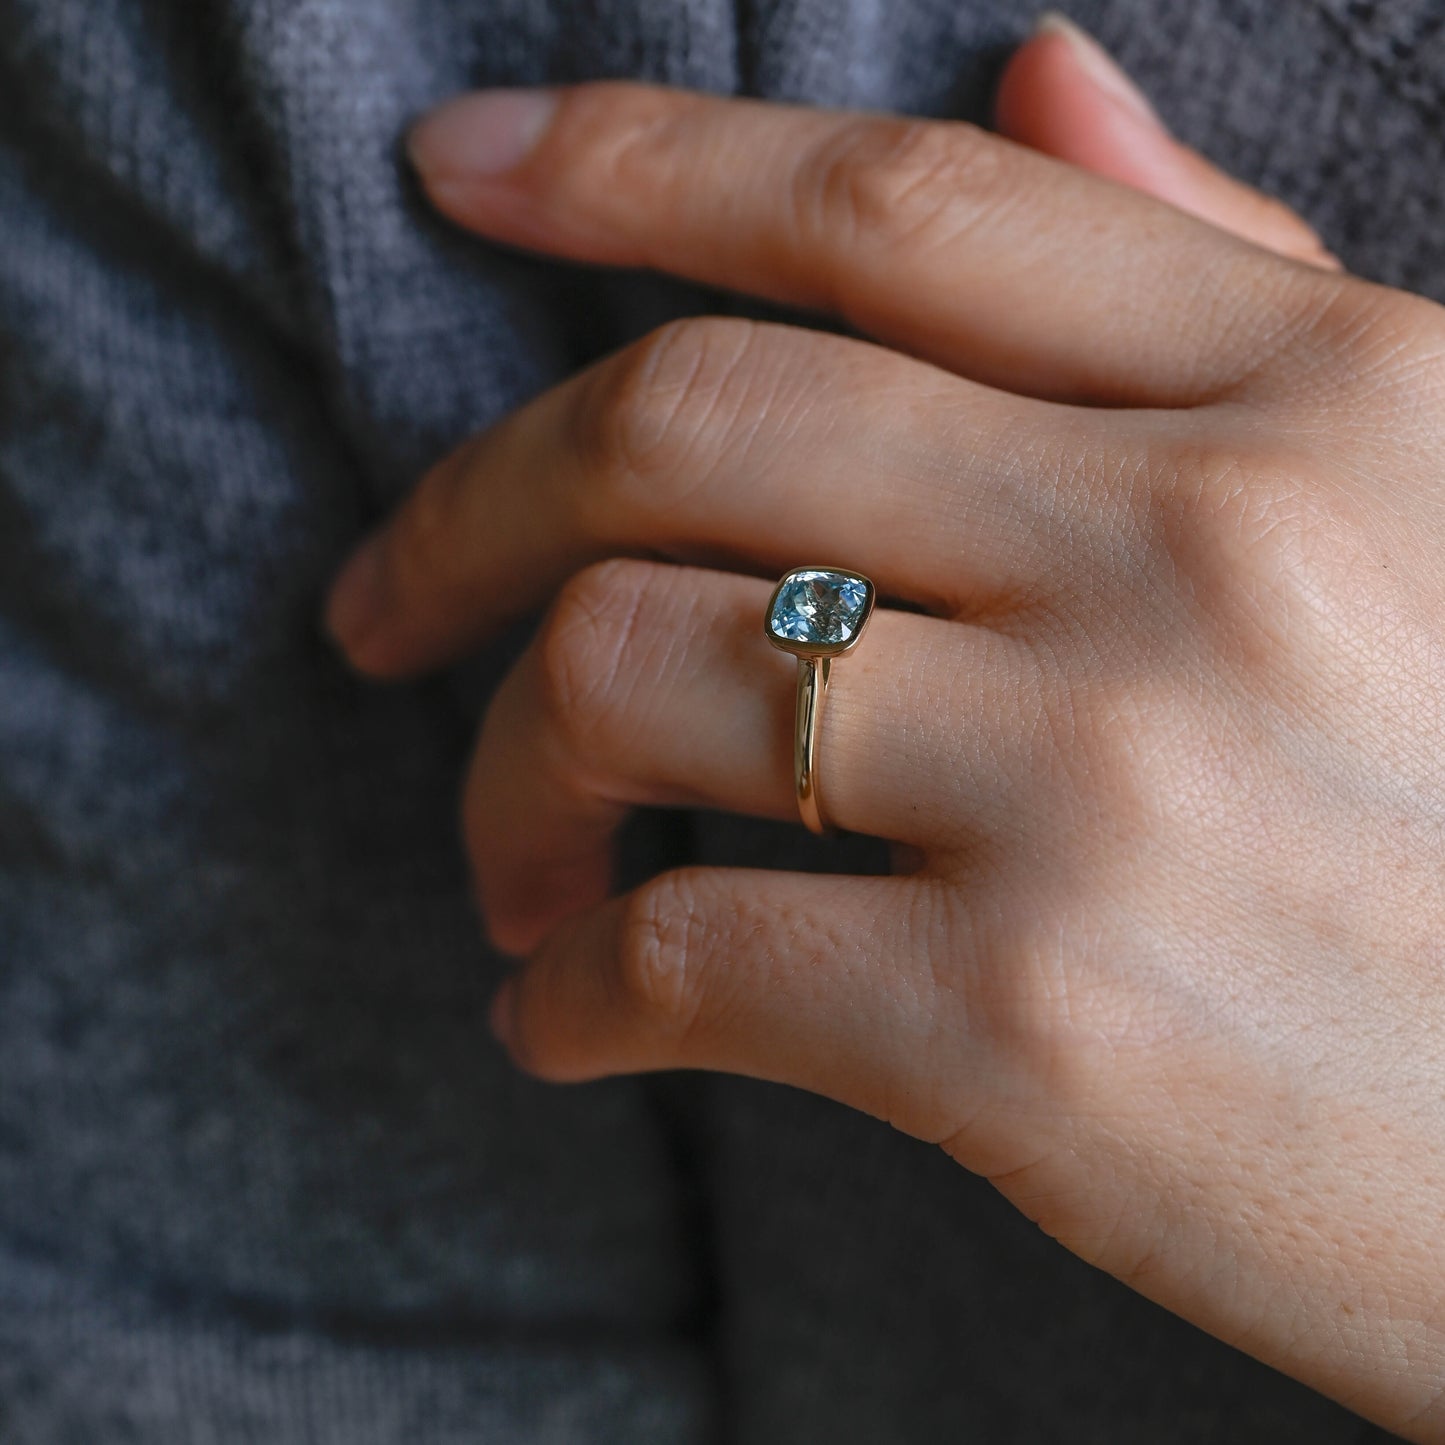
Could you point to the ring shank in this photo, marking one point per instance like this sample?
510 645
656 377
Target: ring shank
812 687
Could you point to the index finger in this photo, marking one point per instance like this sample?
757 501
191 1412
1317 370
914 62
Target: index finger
946 241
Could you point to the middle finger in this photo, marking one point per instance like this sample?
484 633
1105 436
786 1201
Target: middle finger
747 444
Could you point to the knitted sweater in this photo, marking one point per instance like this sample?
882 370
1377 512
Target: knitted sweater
264 1176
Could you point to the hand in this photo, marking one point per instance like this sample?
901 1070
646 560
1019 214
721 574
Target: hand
1166 748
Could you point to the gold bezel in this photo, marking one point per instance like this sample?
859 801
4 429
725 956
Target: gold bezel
819 649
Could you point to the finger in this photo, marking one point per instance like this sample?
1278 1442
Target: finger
939 238
1063 94
654 685
730 442
801 980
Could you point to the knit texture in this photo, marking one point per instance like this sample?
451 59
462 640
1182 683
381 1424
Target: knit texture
263 1174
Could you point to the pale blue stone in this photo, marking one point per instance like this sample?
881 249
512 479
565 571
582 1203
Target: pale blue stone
819 607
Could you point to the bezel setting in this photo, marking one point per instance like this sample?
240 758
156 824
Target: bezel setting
804 647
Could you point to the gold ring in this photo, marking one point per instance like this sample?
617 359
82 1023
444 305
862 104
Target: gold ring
817 614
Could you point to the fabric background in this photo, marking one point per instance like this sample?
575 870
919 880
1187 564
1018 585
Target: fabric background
263 1175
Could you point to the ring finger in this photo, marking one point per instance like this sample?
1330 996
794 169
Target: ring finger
653 684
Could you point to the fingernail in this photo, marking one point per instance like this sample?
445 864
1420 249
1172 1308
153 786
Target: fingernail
1101 66
482 134
357 605
501 1015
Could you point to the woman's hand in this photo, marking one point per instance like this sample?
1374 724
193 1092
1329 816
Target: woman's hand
1166 748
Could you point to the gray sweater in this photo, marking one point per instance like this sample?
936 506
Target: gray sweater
264 1177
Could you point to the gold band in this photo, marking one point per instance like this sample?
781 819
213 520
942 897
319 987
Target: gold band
816 614
812 688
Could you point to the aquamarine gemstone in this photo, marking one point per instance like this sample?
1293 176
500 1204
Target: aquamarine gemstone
818 606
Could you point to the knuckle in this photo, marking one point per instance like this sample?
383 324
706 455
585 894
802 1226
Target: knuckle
661 968
656 417
873 181
583 649
1254 542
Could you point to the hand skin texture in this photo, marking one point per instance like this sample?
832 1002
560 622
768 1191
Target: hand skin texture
1163 759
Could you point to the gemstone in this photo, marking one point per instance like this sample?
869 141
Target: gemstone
819 606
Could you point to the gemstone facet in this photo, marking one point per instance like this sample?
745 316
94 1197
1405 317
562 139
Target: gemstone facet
820 607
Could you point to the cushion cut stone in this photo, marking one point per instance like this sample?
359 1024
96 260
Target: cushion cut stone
818 606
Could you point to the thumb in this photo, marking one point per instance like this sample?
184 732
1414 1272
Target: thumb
1062 94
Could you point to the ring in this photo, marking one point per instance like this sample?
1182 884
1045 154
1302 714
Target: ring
817 614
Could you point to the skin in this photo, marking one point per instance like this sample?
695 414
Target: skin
1161 759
